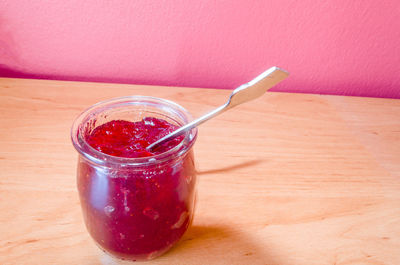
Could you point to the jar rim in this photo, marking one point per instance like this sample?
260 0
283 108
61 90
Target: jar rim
96 157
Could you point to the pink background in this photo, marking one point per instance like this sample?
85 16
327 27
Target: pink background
331 47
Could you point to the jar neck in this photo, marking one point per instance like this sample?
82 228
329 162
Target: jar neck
88 119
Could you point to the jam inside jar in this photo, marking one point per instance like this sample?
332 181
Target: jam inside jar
136 207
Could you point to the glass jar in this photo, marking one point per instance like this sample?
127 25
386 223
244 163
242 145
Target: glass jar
135 208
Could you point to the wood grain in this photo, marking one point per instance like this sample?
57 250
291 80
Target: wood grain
286 179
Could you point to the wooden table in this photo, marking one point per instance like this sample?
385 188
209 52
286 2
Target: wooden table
286 179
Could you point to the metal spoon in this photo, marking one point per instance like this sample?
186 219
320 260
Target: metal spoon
246 92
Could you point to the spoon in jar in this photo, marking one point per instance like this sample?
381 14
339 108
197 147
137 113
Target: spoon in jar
246 92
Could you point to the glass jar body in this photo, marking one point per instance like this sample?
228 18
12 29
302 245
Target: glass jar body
137 213
135 209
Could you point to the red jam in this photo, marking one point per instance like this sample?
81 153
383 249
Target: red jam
136 213
130 139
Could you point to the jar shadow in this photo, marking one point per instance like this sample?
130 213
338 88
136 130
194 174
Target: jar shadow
219 244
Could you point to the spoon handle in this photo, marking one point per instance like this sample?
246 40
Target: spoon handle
188 126
260 85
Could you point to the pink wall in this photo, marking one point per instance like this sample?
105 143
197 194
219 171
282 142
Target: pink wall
333 46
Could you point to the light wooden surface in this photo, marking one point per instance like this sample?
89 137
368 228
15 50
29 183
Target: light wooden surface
286 179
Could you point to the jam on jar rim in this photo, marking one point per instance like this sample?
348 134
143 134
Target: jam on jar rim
96 157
